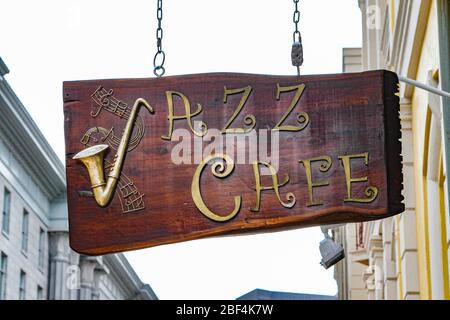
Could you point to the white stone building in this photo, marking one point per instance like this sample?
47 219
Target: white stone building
36 261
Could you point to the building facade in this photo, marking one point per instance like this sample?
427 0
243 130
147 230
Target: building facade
36 261
406 256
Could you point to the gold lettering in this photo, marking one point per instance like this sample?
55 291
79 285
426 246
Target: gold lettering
188 115
371 192
324 167
275 186
249 119
302 117
220 170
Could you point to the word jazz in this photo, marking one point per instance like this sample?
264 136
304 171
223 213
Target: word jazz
249 119
223 165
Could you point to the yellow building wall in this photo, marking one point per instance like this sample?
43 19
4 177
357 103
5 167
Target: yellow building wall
429 60
432 224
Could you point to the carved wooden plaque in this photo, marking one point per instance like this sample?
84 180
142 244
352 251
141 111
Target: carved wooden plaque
163 160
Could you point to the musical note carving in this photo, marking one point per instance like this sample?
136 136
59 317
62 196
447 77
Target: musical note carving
130 198
105 100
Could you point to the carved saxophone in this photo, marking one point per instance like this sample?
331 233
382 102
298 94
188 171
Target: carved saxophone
92 158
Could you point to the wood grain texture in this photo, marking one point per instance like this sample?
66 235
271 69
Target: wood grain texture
349 114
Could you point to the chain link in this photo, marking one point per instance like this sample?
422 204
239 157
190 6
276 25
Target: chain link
160 56
297 47
296 19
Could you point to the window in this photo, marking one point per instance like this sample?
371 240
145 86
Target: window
25 223
40 293
41 253
3 267
22 285
6 210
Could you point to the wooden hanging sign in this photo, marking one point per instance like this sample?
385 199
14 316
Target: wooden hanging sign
164 160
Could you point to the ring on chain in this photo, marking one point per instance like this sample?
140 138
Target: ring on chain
159 71
297 35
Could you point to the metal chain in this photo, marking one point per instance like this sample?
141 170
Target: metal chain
158 68
297 47
296 53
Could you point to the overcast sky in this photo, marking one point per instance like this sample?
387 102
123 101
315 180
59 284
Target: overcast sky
46 42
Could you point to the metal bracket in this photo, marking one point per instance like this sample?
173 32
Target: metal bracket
424 87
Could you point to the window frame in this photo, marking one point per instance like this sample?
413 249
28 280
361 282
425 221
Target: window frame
39 293
22 285
41 248
25 230
3 274
6 211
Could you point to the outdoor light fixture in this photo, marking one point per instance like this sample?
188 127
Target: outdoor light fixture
330 251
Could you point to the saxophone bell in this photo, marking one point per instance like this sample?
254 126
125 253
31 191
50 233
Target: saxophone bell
92 158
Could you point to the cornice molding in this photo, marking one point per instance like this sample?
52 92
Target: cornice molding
3 68
125 275
27 142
